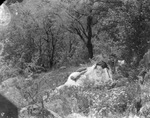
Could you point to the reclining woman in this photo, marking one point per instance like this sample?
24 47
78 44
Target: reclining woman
96 74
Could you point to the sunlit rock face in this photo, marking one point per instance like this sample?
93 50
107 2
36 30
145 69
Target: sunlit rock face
5 15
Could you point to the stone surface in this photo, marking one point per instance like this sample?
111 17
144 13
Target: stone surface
8 89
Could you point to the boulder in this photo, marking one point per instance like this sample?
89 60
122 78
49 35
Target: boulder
8 89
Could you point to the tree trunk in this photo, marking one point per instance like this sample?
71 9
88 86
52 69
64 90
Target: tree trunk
53 44
89 42
52 60
90 49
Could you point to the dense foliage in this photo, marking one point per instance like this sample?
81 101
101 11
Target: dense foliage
58 36
51 34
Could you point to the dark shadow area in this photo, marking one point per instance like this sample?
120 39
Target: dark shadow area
7 108
1 2
8 2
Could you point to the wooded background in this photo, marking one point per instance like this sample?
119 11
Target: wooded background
51 34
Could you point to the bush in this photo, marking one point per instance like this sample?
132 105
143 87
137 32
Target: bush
8 72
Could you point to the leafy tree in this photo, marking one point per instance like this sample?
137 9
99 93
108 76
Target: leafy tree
89 19
50 32
80 22
128 24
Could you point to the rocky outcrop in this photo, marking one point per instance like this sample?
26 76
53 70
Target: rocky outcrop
8 89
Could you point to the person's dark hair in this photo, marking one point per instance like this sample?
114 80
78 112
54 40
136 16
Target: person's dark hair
112 56
102 64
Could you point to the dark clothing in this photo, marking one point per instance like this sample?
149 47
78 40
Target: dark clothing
112 64
81 69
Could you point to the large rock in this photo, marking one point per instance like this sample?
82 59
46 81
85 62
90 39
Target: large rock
8 89
14 95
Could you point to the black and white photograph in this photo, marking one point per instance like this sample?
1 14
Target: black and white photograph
75 59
